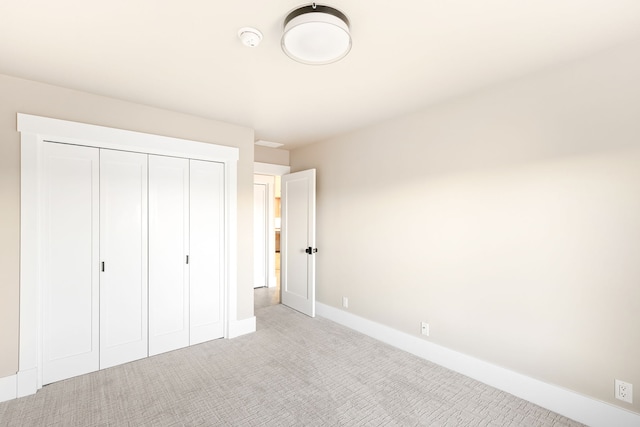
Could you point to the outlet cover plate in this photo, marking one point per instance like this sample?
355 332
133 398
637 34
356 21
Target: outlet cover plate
624 391
424 328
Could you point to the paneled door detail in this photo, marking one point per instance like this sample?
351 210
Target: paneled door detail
123 257
207 249
168 254
70 261
298 240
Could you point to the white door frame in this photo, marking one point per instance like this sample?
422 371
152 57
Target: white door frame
35 132
271 170
263 231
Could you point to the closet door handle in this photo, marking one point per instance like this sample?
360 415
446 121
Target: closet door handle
102 266
187 259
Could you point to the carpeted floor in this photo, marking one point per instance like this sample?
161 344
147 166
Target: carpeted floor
294 371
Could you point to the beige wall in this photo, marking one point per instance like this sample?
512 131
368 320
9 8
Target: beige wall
24 96
274 156
509 220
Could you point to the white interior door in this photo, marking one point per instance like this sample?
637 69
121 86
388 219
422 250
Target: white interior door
298 238
264 231
70 261
260 237
168 252
207 251
123 253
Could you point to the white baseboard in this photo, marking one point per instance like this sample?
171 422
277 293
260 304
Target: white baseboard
242 327
27 382
573 405
8 388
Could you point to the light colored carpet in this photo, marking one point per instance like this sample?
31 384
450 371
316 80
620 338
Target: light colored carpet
265 297
294 371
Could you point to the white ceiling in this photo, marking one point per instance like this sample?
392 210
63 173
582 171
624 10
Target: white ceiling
407 54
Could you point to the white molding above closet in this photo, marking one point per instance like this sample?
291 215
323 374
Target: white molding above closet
35 132
119 139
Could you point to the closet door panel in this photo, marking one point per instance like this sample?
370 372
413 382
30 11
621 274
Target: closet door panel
70 261
168 251
207 250
123 250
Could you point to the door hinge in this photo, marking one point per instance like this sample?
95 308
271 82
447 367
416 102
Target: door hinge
311 250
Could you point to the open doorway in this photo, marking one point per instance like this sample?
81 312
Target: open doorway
267 273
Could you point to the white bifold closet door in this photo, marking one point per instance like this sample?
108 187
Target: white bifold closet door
94 258
186 220
168 252
70 274
206 259
117 230
123 255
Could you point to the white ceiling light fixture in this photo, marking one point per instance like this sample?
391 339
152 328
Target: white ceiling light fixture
316 35
250 36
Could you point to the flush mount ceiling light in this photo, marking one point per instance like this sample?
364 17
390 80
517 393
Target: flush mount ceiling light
316 35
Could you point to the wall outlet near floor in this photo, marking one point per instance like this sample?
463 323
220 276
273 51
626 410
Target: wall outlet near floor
345 302
624 391
424 328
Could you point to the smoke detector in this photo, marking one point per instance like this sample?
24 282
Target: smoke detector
250 36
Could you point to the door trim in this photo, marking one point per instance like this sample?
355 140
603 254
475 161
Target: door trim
266 250
35 131
270 169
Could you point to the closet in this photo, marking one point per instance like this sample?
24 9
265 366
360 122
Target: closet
132 256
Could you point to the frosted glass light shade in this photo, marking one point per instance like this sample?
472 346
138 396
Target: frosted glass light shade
317 35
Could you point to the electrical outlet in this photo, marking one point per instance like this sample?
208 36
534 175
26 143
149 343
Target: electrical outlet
345 302
624 391
424 328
